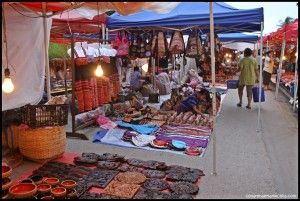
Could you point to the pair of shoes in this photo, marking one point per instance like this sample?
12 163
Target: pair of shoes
248 107
239 105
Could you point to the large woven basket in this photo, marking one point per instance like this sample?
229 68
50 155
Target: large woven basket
42 144
16 132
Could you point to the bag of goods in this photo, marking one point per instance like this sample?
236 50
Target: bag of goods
177 43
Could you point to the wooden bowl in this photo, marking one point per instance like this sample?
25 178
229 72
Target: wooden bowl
37 179
6 183
6 171
68 184
59 192
51 181
23 190
44 188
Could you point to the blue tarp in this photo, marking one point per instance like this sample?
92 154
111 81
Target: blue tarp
238 37
194 13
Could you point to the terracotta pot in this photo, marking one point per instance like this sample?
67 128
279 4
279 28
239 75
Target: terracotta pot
68 184
23 190
44 188
59 192
6 171
6 183
51 181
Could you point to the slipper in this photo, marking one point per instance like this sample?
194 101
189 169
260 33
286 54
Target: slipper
239 105
248 107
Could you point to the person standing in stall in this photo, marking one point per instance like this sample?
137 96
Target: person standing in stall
268 70
248 76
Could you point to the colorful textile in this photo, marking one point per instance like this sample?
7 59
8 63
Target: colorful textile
190 141
142 129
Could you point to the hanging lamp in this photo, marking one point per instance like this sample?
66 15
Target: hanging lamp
99 71
7 85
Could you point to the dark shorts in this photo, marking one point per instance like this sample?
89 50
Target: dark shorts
248 89
266 77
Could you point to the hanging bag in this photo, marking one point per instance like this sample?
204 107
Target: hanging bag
177 43
194 47
122 48
161 45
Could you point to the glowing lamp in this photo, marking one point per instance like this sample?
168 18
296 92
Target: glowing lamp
99 71
283 58
7 85
145 67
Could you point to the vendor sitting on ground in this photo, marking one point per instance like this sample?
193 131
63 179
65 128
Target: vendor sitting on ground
191 103
192 78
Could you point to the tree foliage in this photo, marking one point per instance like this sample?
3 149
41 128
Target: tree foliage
58 50
286 21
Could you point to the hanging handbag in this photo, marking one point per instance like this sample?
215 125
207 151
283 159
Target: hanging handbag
160 45
123 46
177 43
194 47
80 61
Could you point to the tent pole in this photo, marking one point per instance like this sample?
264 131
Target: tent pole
107 36
73 134
296 79
46 52
212 52
103 32
260 79
280 68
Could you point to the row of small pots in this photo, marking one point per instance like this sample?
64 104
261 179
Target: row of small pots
44 188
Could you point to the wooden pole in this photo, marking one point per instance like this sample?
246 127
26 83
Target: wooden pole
47 70
213 76
260 80
280 68
296 79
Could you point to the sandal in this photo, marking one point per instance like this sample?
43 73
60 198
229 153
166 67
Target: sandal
239 105
248 107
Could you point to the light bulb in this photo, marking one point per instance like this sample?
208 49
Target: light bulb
226 55
227 60
295 54
7 85
145 67
283 58
230 56
99 71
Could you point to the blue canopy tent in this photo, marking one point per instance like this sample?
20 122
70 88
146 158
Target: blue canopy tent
226 18
238 37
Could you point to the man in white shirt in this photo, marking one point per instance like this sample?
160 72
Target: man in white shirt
268 70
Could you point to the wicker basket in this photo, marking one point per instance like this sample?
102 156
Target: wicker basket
42 144
16 132
37 116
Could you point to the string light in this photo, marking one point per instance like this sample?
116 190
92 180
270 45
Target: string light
7 85
99 71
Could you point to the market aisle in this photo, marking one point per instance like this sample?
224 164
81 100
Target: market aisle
243 165
280 134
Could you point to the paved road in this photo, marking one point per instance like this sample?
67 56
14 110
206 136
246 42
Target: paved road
248 163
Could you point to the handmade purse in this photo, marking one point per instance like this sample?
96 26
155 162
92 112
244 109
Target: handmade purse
177 43
194 47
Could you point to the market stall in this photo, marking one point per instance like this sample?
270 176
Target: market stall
287 37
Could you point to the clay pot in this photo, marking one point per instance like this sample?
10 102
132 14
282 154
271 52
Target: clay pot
59 192
51 181
44 189
6 171
68 184
23 190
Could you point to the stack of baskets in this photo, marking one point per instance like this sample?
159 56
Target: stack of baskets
45 139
